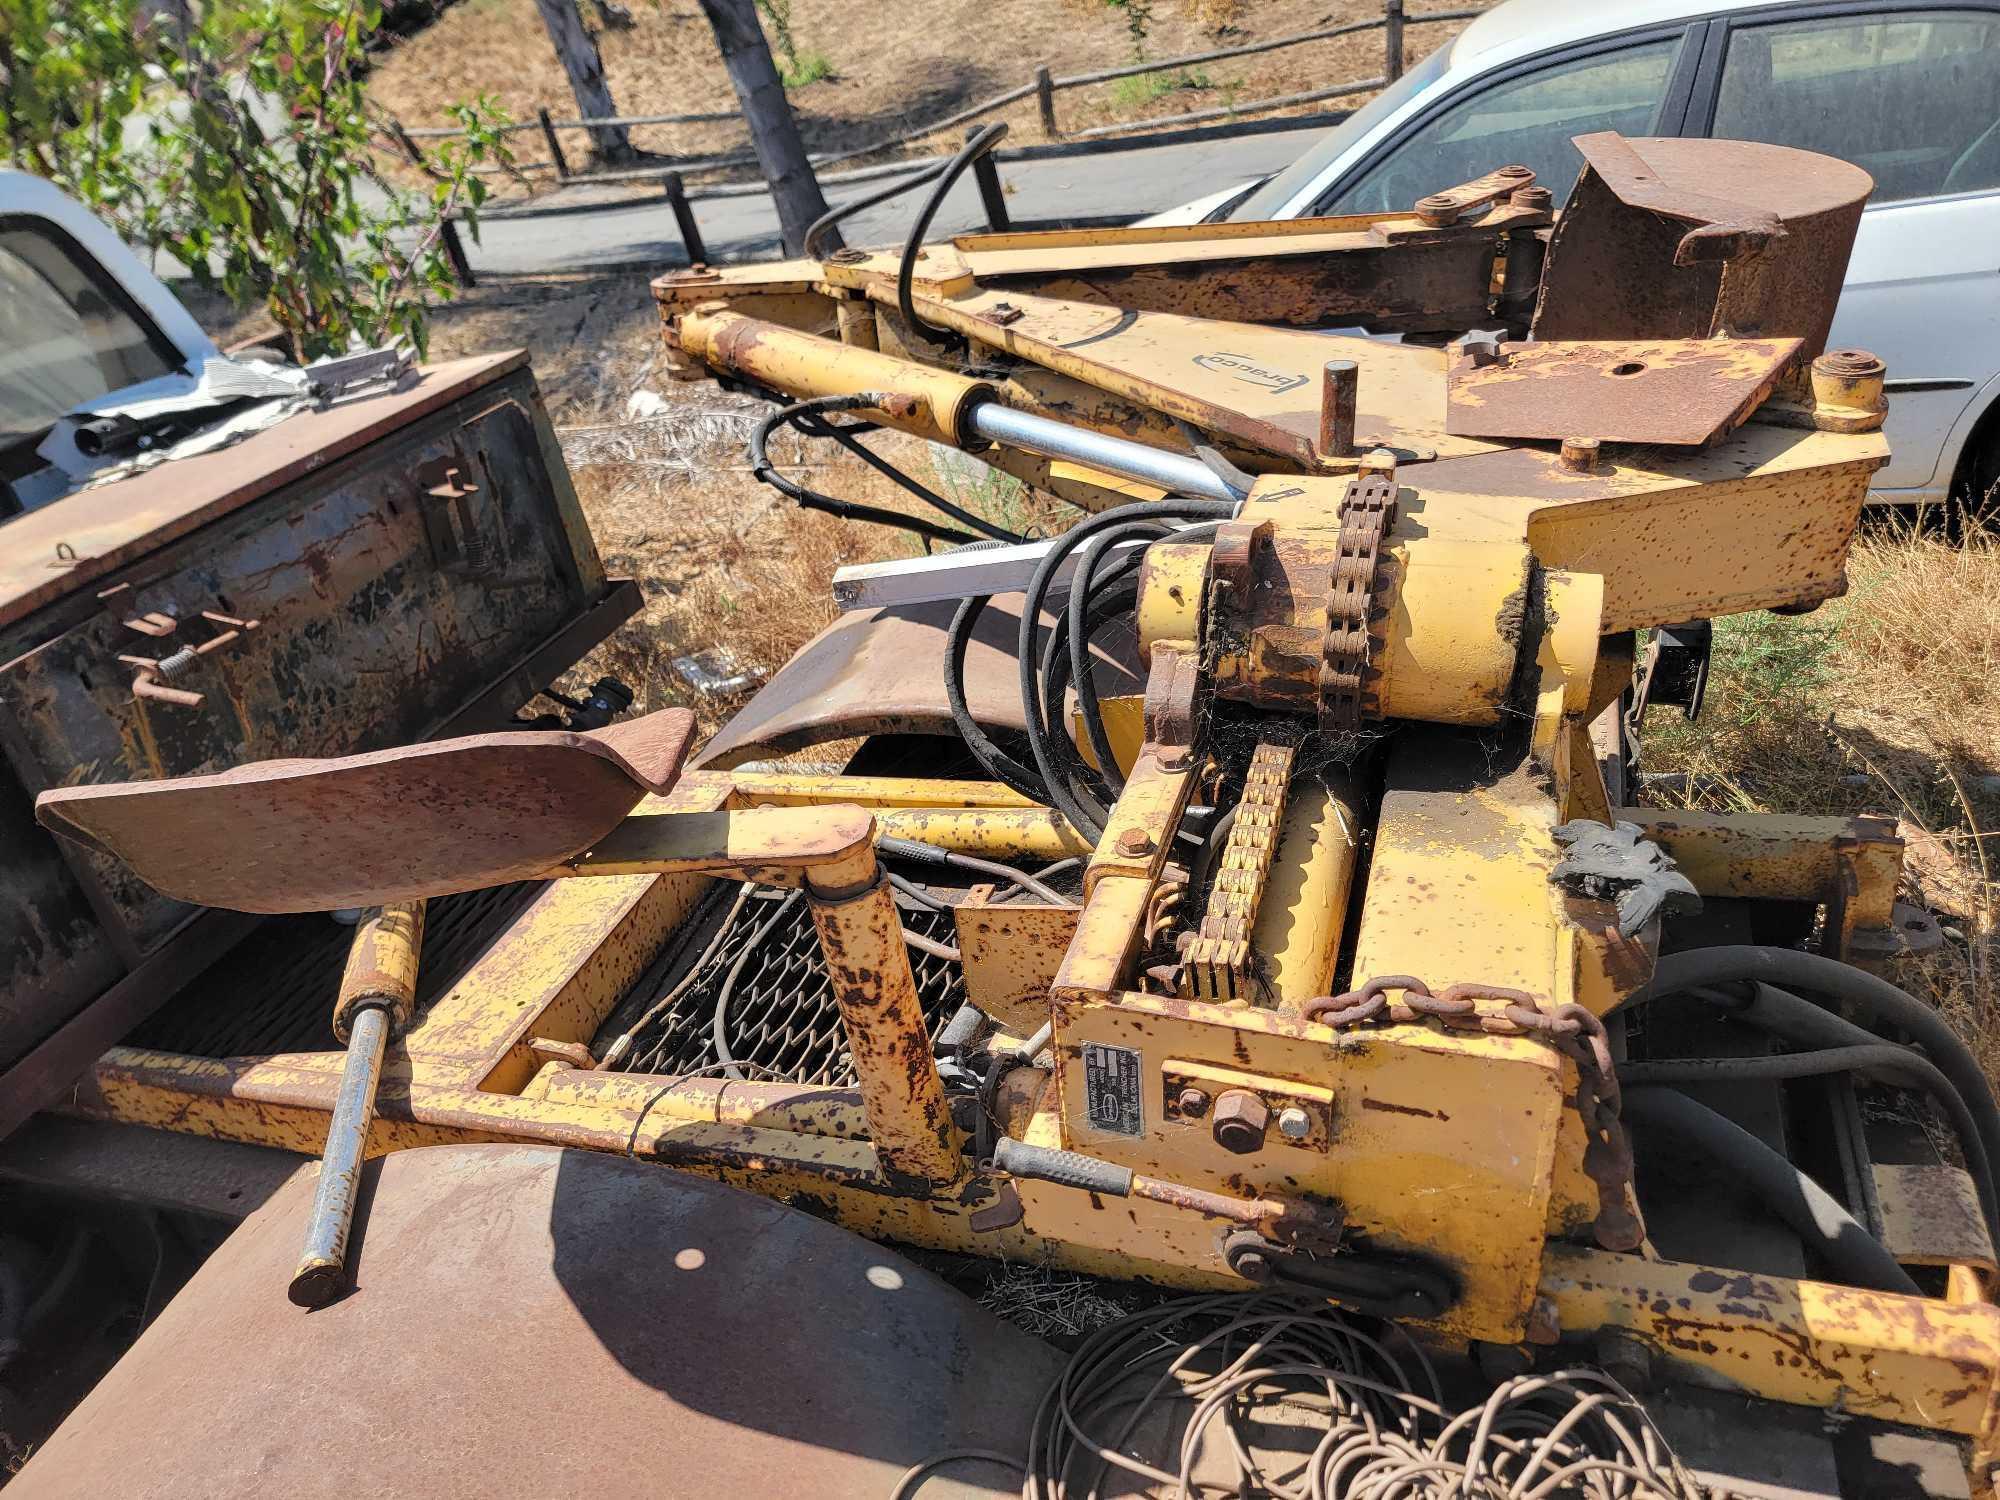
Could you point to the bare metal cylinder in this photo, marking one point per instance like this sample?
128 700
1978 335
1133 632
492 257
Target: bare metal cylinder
322 1270
378 992
909 1121
1170 471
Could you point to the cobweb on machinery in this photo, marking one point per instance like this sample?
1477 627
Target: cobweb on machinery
1233 738
680 441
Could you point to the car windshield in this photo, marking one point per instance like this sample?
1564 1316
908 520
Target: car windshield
1270 198
67 335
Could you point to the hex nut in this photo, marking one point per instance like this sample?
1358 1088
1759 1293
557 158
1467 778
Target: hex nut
1241 1118
1294 1123
1192 1103
1134 842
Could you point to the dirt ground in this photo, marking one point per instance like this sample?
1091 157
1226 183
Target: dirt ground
890 69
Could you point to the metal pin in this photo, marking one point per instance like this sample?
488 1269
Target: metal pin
1337 396
322 1270
377 993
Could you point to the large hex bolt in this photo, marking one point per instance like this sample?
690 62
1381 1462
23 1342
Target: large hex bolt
1241 1118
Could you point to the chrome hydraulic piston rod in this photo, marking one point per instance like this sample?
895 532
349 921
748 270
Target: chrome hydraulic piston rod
1177 473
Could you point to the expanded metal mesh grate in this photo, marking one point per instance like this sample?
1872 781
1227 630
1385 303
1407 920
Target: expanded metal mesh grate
760 948
274 991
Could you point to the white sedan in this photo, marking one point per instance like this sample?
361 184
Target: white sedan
1910 92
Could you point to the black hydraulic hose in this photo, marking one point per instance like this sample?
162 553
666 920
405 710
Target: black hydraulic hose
1873 1057
1089 560
1821 1033
1874 1002
1849 1251
1211 849
1077 784
766 472
816 232
986 139
1027 652
815 426
996 763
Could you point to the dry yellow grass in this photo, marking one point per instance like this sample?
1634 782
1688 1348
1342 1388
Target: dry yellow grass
1887 700
893 68
731 567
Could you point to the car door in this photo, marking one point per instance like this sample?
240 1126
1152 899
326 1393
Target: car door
1911 93
1637 83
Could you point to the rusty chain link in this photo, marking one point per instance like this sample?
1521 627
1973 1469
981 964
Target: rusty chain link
1572 1030
1366 512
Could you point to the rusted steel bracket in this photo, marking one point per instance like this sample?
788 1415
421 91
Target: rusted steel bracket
154 676
1441 210
1679 239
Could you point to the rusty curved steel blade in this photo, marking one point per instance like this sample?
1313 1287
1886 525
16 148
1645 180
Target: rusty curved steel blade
391 825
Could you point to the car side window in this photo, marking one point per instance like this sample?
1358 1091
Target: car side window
1912 97
1527 119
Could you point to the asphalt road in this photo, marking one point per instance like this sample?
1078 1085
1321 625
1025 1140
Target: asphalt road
1129 183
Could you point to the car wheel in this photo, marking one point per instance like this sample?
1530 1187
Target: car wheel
1975 490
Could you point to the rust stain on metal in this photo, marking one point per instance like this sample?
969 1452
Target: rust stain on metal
1689 391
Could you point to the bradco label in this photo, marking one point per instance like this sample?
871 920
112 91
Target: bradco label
1243 367
1111 1088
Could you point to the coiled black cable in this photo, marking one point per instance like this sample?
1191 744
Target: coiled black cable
1036 781
1082 588
1041 739
1081 794
993 760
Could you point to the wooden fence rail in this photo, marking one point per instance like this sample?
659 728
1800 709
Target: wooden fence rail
1043 88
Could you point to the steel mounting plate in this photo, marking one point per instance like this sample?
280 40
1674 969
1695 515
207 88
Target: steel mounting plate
1679 391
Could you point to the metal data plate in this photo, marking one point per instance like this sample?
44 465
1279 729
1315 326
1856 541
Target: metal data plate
1679 391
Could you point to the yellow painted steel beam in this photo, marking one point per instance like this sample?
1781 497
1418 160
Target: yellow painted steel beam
1869 1354
773 846
994 832
800 789
1852 865
1762 518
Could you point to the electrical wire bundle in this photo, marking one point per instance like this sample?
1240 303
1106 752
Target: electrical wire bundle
1365 1394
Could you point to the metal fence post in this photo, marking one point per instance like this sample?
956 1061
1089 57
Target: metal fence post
676 192
454 251
555 146
987 174
1045 96
1392 39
